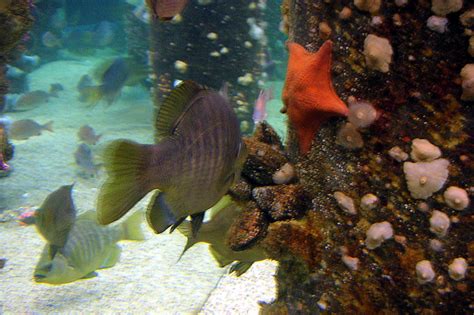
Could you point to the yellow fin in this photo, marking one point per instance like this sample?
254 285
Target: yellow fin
132 228
126 163
173 107
185 228
239 268
221 260
91 95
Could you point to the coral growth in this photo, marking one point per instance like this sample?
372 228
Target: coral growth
406 264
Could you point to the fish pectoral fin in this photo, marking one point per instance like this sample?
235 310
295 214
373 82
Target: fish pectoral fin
196 222
92 274
113 258
239 268
176 224
126 165
159 214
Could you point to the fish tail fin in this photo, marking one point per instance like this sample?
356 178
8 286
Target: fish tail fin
186 229
91 95
48 126
131 228
126 163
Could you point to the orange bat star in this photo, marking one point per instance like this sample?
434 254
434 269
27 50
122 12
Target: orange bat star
308 94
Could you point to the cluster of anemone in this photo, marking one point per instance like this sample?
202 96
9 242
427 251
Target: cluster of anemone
362 114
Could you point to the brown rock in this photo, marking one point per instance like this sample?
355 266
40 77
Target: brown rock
250 227
265 133
282 202
262 162
241 191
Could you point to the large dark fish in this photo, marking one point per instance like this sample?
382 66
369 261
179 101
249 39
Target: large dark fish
198 156
213 232
165 10
77 247
112 81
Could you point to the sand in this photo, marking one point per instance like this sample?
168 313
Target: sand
148 278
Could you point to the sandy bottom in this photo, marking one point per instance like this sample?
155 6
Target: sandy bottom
148 277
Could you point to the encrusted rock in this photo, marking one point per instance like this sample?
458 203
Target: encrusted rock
262 162
265 133
282 202
250 227
241 190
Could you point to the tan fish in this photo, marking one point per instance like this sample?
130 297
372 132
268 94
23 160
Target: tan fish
31 100
165 10
77 247
25 128
87 135
213 232
111 83
198 156
85 161
54 88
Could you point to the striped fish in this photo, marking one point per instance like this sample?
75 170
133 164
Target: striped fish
199 154
77 248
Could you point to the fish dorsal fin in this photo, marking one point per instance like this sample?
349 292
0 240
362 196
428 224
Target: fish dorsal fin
173 107
56 216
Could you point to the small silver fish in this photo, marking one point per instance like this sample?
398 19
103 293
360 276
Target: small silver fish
77 247
50 40
85 161
87 135
31 100
26 128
